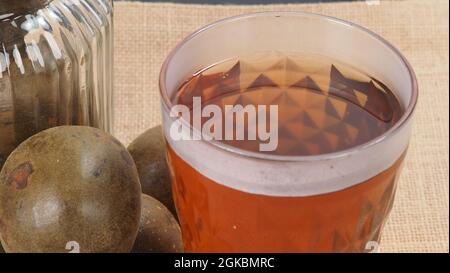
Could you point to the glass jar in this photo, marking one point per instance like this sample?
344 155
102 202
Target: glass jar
56 60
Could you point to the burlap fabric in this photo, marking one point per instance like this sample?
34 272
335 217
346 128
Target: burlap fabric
144 34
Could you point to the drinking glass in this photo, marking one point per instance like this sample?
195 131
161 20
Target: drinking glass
235 200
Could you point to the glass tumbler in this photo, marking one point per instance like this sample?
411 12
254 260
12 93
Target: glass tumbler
231 199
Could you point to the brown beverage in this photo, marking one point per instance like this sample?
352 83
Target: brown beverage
323 107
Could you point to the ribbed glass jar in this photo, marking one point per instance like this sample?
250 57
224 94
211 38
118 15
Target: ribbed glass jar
56 59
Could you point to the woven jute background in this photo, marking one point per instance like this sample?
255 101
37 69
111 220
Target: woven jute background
145 33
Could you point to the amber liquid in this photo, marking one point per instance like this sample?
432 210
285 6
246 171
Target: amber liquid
324 107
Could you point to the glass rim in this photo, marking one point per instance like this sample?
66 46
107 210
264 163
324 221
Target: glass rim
409 109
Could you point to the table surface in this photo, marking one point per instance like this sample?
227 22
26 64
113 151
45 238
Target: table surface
145 32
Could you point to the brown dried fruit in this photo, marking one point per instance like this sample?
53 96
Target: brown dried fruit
159 231
69 184
149 154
